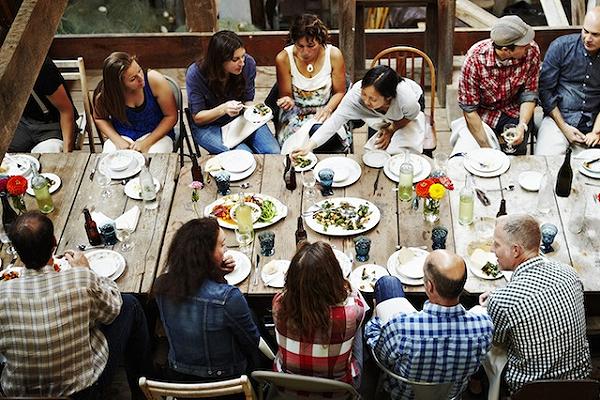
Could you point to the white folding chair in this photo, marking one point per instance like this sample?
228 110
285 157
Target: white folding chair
155 390
300 383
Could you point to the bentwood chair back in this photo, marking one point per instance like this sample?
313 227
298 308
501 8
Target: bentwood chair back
73 72
413 63
154 390
587 389
180 131
422 390
273 382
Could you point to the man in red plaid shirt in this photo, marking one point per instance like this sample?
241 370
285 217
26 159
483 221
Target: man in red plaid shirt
498 86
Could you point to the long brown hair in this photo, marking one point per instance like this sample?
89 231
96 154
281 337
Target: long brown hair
190 259
313 284
222 84
109 100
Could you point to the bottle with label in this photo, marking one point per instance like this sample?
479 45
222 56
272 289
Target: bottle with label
41 187
91 229
289 174
467 203
565 176
405 179
148 189
300 234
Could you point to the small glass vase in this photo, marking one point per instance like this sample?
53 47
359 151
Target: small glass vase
19 203
431 210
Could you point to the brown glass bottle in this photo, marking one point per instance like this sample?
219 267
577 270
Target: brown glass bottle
565 177
91 230
300 232
289 174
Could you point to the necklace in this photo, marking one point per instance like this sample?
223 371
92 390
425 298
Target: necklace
310 68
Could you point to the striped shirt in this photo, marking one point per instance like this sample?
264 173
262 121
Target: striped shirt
540 318
326 355
49 330
438 344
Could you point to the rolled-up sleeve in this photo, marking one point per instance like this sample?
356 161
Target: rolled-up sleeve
468 87
549 78
530 91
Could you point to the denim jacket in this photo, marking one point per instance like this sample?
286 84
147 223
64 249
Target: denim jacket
212 334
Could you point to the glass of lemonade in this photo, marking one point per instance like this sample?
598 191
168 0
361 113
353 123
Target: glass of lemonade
509 134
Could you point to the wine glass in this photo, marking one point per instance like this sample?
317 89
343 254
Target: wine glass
509 134
103 180
124 236
244 239
309 181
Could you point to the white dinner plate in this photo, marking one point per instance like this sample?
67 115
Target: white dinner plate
344 261
309 156
55 179
475 266
365 276
338 230
530 180
119 161
273 273
397 160
106 263
242 267
231 200
411 271
133 189
340 166
255 115
423 173
491 159
587 155
233 177
505 166
236 161
375 158
10 167
138 161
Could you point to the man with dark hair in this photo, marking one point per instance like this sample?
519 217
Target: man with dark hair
498 86
443 342
64 333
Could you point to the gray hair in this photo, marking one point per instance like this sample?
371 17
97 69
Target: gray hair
522 229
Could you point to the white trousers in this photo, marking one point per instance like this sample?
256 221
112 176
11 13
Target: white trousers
164 145
462 139
410 136
551 141
48 146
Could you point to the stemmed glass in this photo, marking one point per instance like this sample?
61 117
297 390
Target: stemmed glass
103 180
244 239
309 181
509 134
124 236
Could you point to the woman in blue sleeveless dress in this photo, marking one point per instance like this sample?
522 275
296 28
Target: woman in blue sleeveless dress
134 109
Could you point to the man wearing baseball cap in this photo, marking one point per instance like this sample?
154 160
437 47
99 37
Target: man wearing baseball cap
498 86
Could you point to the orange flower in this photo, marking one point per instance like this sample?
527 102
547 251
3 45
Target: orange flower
422 188
16 185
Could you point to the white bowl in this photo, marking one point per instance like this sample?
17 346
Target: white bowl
119 161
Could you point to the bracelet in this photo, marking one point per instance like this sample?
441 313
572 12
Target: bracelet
525 126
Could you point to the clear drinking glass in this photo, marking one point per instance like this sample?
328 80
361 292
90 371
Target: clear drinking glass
103 180
545 198
509 134
244 239
124 236
440 164
309 181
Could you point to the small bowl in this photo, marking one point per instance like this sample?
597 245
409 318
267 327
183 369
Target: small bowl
119 161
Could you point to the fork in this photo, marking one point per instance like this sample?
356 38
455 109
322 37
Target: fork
11 158
465 155
588 163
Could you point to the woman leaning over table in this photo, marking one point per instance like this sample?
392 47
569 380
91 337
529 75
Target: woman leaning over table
218 85
311 78
134 109
208 323
386 102
318 318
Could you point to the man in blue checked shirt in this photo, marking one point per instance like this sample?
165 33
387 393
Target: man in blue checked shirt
442 343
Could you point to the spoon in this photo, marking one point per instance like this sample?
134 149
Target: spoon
508 188
84 247
244 185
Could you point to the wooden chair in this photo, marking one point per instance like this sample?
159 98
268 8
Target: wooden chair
587 389
180 132
422 390
36 398
155 390
270 381
416 65
73 72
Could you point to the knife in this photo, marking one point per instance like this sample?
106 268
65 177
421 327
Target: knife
256 270
376 181
94 169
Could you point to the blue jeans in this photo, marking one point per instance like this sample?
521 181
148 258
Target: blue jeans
261 141
388 287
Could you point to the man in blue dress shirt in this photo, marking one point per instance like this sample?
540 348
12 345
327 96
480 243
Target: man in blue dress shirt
570 90
443 342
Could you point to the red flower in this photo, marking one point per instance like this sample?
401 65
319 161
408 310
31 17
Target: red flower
422 188
3 184
16 185
598 197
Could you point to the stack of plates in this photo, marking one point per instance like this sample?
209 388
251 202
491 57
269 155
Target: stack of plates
421 167
346 170
486 163
407 265
239 163
106 263
593 170
19 164
122 164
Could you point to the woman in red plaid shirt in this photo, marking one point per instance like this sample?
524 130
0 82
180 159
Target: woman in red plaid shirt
317 317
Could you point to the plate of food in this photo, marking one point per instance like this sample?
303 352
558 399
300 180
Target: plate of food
346 170
18 164
11 273
133 168
305 162
482 262
53 182
365 276
273 273
343 216
272 210
259 113
344 261
407 265
106 263
133 189
242 267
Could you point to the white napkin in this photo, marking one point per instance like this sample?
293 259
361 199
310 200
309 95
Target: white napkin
298 139
129 219
238 130
213 165
411 136
265 349
101 219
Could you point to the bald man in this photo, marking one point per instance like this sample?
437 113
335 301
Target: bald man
538 316
570 90
443 342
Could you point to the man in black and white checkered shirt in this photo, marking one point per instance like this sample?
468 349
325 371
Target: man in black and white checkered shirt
539 316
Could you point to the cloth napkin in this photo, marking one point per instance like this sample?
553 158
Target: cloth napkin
129 219
213 165
101 219
238 130
410 136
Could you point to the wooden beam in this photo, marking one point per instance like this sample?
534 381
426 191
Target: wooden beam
473 15
201 15
577 12
346 23
554 12
21 58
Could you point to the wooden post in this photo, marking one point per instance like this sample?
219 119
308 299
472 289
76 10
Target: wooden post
201 15
346 21
446 12
21 58
577 12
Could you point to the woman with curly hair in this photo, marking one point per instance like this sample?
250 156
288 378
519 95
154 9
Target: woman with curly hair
318 318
